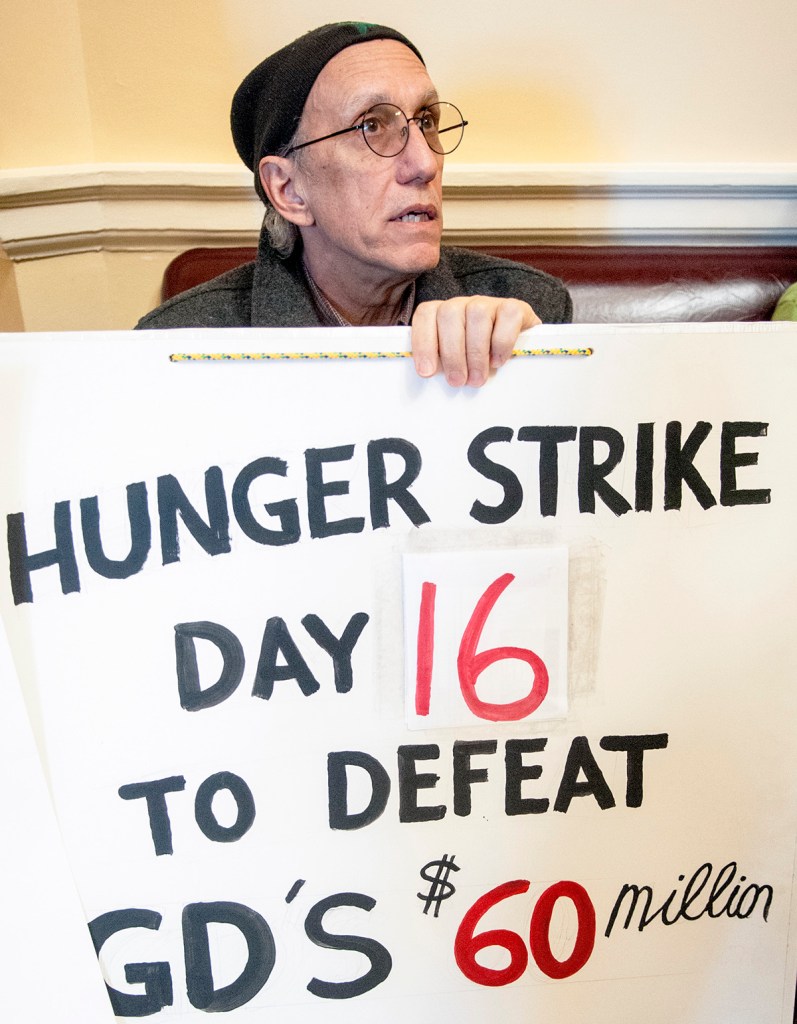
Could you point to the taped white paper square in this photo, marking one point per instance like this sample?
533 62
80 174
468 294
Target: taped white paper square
485 636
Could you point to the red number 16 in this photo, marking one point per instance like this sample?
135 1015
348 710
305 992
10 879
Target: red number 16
471 664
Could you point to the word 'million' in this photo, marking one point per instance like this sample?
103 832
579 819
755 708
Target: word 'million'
392 465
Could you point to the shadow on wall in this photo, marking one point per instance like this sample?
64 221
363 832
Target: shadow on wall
10 309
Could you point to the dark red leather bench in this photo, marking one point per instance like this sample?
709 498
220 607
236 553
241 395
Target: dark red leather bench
609 284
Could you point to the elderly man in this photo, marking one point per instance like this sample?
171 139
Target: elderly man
346 137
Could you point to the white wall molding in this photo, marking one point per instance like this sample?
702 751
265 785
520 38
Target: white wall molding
50 211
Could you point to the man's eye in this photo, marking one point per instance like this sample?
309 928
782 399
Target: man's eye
372 126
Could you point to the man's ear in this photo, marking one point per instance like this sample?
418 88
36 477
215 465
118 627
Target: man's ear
278 177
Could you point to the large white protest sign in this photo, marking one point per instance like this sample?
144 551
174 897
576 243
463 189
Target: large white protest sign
365 699
48 963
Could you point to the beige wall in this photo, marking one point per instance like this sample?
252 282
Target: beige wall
10 312
87 291
570 81
556 80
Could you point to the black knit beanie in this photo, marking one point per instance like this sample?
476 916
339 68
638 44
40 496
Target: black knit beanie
269 102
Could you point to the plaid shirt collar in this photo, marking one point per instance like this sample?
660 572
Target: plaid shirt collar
330 317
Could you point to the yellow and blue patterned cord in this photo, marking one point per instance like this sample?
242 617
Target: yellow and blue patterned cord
198 357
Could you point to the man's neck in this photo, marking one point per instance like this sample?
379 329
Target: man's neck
361 306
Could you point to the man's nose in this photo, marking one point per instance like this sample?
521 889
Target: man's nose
417 160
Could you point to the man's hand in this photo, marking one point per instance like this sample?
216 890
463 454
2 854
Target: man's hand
467 336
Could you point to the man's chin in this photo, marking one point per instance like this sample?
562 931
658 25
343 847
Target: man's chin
419 258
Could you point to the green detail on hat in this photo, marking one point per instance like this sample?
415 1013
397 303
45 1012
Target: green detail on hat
361 26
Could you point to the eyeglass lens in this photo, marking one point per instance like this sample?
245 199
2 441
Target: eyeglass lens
386 129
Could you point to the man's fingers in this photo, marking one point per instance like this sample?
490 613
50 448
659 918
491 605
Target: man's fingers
424 339
512 317
459 326
467 336
480 320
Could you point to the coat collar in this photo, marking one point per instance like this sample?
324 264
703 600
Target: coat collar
279 294
280 297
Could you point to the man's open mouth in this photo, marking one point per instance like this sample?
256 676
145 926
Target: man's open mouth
417 216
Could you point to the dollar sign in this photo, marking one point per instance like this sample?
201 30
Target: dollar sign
436 872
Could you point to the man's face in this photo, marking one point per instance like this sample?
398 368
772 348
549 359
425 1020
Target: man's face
375 219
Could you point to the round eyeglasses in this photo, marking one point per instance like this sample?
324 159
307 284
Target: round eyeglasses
386 129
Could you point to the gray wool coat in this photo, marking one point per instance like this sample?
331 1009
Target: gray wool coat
271 292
